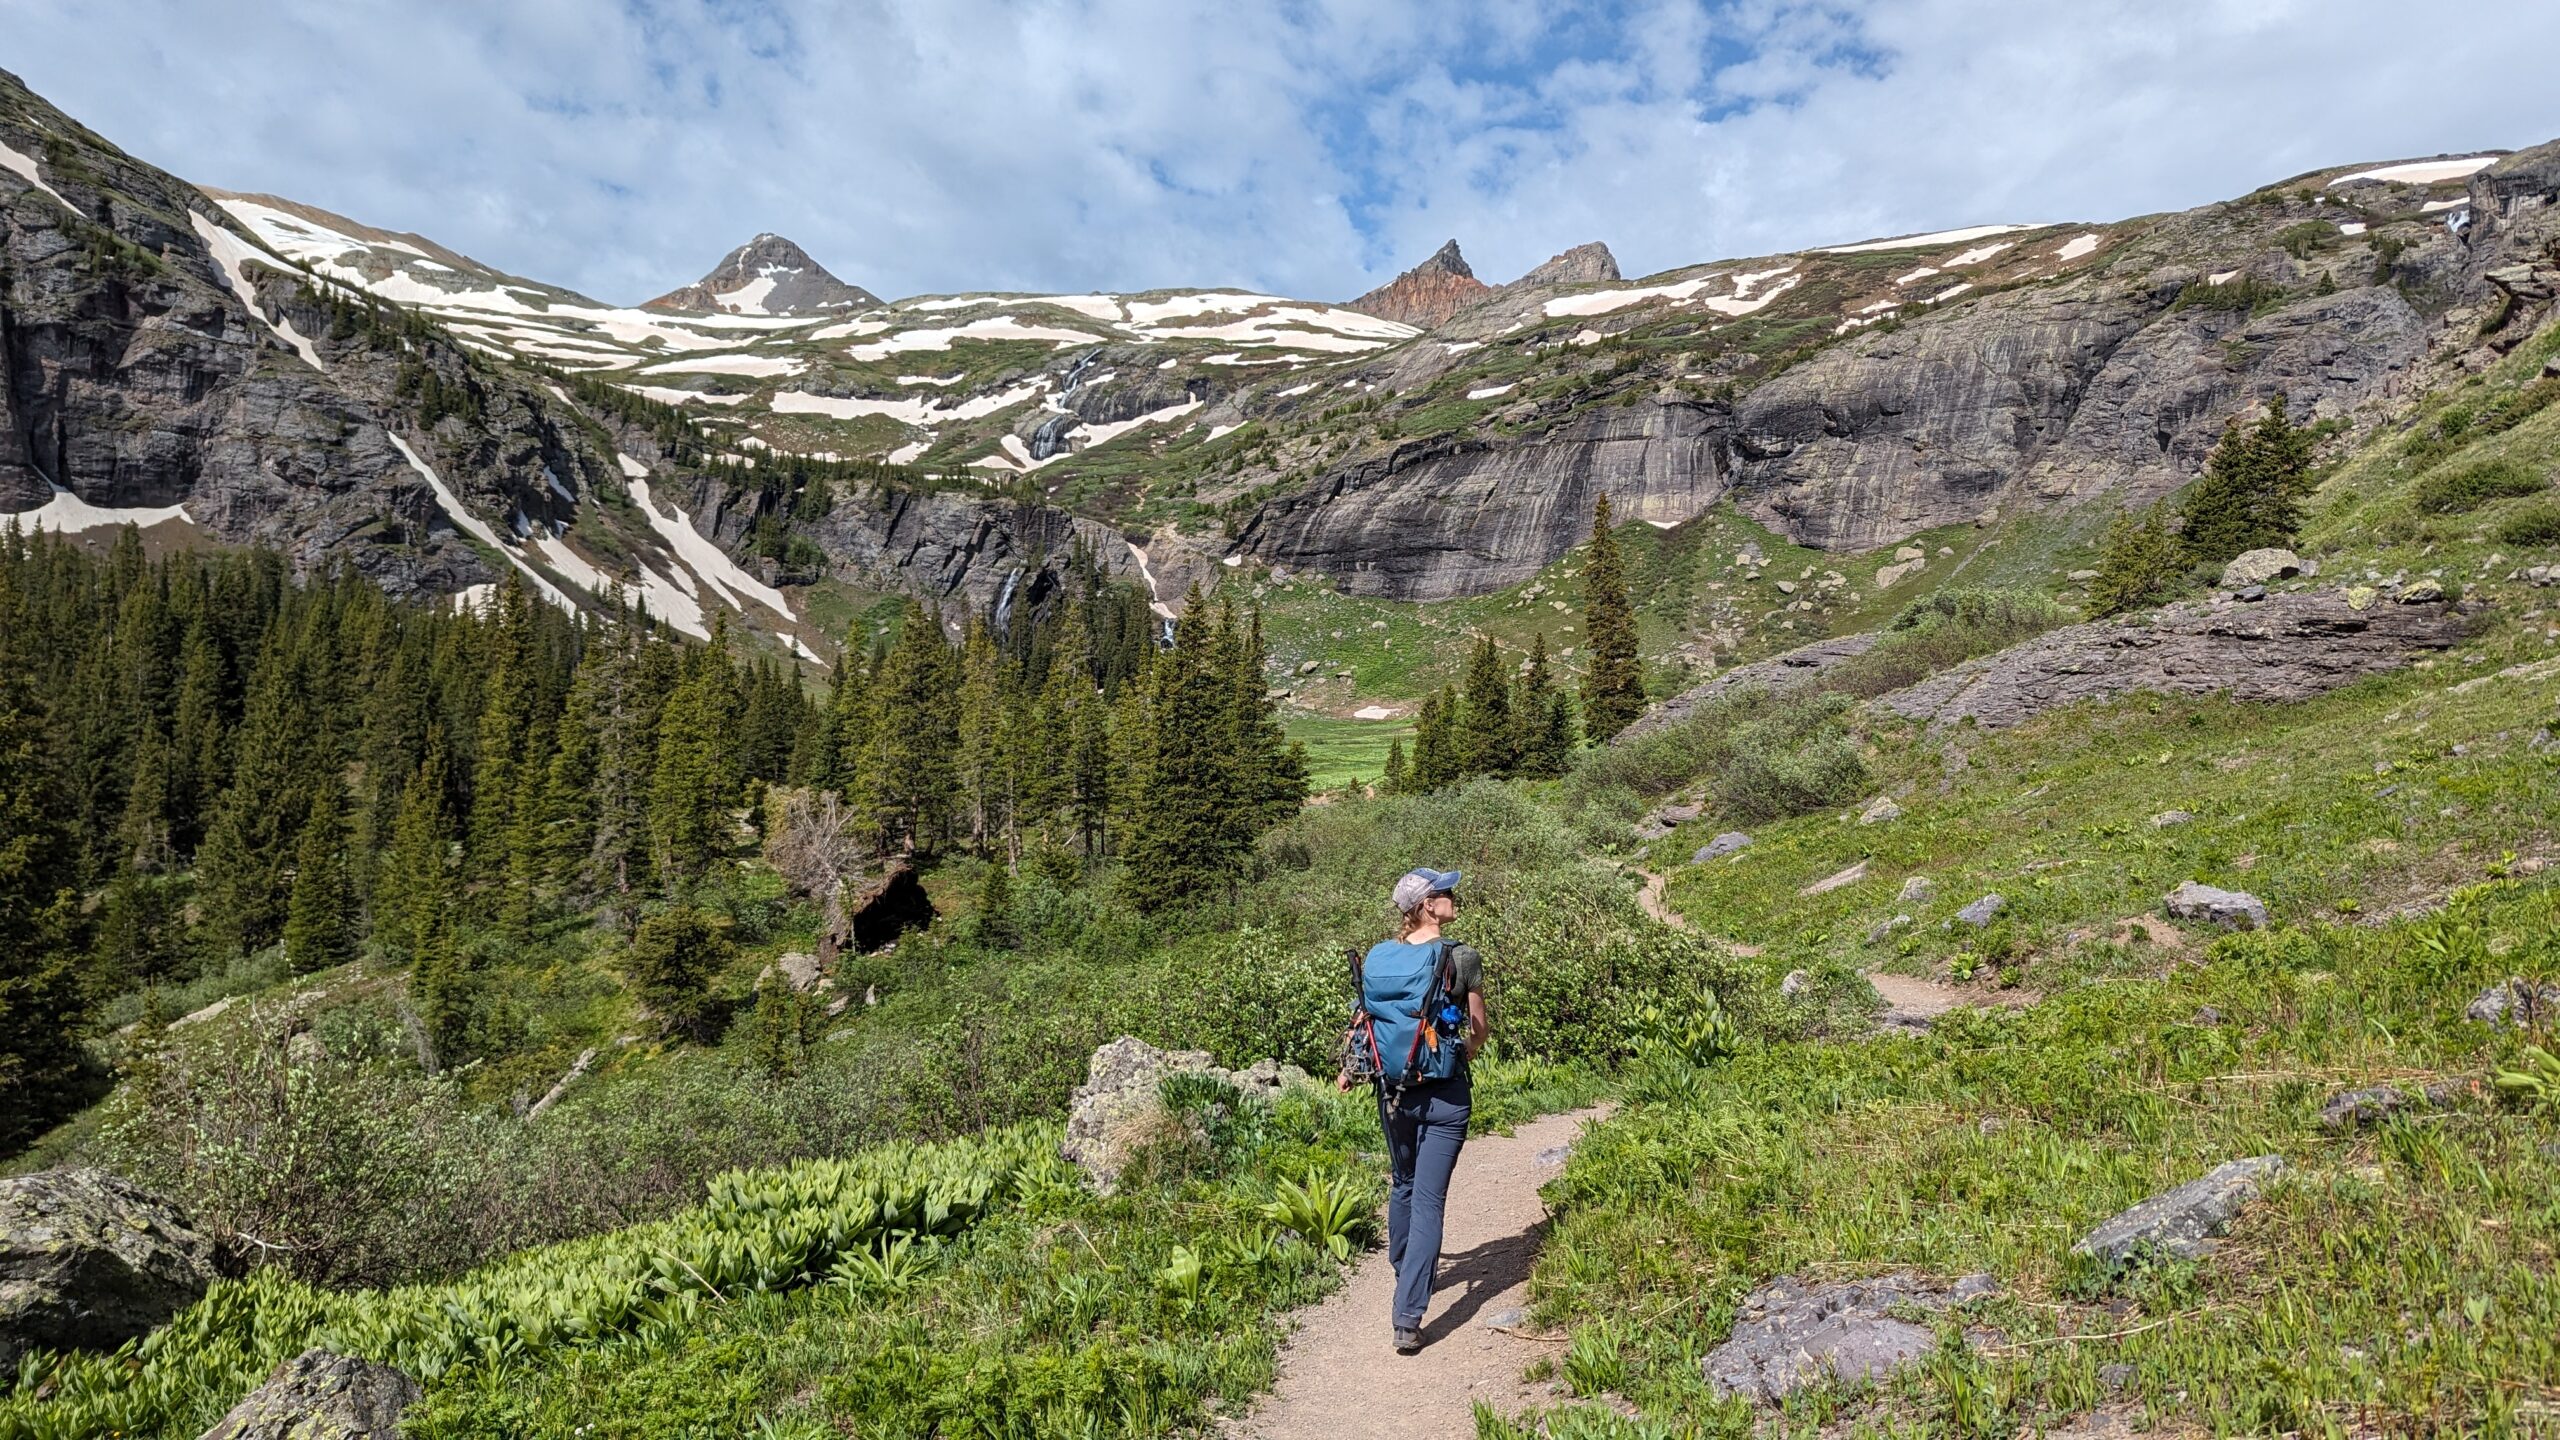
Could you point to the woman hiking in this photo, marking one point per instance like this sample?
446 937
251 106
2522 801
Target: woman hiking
1421 1019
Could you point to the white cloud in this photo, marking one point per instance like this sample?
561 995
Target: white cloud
1310 150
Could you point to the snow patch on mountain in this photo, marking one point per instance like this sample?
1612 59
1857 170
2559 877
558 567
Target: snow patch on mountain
728 365
1935 237
68 514
2421 172
230 252
477 528
24 167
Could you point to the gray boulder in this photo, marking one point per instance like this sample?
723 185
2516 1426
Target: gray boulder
321 1396
2517 1003
1888 929
1731 842
1882 810
1681 813
1117 1110
2232 909
1829 883
2183 1222
2168 818
1981 912
89 1261
2257 567
1918 890
1788 1335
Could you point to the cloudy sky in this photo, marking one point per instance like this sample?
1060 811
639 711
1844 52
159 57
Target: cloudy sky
1309 147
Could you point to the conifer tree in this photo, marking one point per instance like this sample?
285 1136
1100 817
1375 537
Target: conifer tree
979 754
1096 770
508 702
1613 685
2139 562
694 784
528 855
1541 717
1396 780
1486 742
906 769
672 960
410 900
444 985
42 1007
320 924
995 926
198 755
1437 762
1269 781
248 848
2251 493
1182 845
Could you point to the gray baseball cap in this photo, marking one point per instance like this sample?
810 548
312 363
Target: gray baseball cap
1420 881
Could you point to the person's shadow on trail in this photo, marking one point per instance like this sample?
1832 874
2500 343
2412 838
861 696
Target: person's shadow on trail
1484 1271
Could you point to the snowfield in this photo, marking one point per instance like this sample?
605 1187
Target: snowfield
68 514
229 252
2422 172
728 365
2078 246
1935 237
21 164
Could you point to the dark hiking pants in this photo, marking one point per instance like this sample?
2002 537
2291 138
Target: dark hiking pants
1425 1126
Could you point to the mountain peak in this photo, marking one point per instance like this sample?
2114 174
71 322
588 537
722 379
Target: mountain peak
1588 264
1427 294
768 275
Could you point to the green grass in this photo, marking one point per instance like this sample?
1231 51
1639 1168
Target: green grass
1345 752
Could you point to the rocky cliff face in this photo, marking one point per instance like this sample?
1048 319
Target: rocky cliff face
1428 294
1590 264
768 276
1445 517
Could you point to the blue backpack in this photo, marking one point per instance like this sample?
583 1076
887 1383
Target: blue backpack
1408 1028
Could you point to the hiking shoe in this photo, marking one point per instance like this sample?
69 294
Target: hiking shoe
1408 1340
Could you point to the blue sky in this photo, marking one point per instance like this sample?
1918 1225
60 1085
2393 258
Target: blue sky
1309 147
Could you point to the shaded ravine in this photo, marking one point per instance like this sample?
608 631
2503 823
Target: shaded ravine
1339 1375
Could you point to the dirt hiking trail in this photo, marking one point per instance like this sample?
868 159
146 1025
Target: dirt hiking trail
1340 1377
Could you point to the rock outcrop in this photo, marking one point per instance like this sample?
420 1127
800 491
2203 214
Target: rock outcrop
2181 1223
1778 673
322 1396
1427 294
1116 1111
2211 905
767 276
1587 264
2290 647
1455 516
90 1261
1788 1334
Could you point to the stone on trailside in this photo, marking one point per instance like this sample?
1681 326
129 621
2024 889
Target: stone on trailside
2257 567
1981 912
1829 883
2233 909
1117 1110
2168 818
321 1396
1682 812
1882 810
1889 929
1788 1335
88 1261
1918 890
2181 1223
1731 842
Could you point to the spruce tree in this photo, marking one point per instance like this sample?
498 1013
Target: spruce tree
906 770
2139 562
2250 495
1613 683
672 961
694 784
1270 770
1181 846
248 848
1395 780
42 1007
320 924
1487 744
1437 761
410 900
979 752
1541 717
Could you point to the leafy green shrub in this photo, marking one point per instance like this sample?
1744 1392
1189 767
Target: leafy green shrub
1796 758
2537 528
1335 1212
2451 492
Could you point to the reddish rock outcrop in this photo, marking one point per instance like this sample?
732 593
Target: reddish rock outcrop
1427 294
